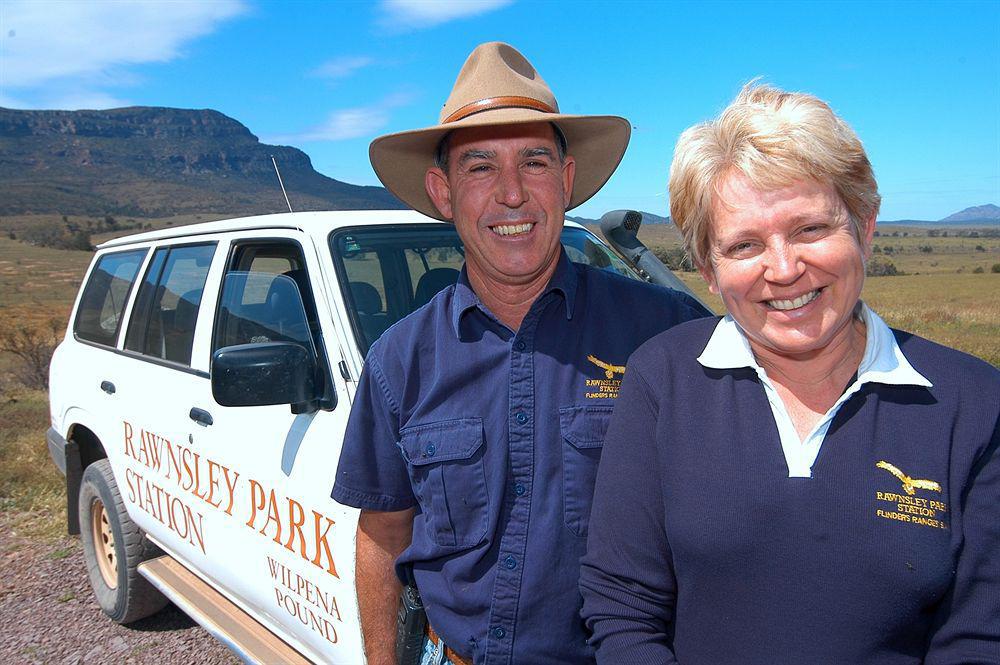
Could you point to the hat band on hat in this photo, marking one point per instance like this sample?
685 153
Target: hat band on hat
490 103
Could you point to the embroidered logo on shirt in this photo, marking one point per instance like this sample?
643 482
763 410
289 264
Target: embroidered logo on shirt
609 369
606 388
908 507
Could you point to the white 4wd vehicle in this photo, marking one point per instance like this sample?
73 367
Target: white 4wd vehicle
199 402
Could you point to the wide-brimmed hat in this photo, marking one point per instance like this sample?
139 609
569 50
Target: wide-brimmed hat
498 86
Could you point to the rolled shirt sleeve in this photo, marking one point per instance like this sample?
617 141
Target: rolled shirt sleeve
372 474
627 579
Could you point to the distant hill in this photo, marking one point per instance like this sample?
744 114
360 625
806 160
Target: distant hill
157 162
974 215
988 215
647 218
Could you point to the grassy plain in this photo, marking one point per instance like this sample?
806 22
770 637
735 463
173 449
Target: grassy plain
941 297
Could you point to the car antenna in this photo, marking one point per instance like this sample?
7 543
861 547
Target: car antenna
278 173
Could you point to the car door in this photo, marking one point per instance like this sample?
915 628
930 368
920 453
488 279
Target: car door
153 372
274 541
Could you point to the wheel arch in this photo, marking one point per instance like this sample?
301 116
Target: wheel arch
83 448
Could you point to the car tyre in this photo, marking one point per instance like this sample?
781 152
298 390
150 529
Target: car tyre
113 548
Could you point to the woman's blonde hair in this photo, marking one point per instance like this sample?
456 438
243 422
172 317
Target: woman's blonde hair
774 138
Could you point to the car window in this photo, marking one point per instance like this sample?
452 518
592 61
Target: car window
163 323
265 297
389 271
582 247
104 297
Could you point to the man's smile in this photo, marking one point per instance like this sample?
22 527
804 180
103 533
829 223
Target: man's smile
512 229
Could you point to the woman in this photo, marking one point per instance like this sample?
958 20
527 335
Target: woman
796 482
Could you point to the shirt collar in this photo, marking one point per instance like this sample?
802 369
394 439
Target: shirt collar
883 361
564 281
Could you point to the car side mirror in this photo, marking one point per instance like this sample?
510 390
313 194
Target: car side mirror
264 374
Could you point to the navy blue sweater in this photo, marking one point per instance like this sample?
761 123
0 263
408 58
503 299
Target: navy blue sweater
703 551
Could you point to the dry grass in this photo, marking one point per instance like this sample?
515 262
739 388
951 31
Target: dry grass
32 491
958 310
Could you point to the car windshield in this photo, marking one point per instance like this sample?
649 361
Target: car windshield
386 272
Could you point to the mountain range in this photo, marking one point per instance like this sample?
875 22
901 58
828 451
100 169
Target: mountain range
160 162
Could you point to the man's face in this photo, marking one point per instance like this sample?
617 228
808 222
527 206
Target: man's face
506 191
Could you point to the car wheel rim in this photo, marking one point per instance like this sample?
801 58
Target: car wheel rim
104 544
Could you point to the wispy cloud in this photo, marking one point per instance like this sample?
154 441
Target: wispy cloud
89 45
352 123
341 67
66 100
403 15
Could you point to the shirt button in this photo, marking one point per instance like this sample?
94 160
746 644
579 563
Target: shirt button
519 345
499 632
519 489
430 450
510 563
521 417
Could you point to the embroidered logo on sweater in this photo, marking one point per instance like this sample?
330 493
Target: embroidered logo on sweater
910 485
909 508
606 388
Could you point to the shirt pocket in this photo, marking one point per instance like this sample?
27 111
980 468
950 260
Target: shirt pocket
445 463
582 429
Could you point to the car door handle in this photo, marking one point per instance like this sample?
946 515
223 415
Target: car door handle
108 387
201 416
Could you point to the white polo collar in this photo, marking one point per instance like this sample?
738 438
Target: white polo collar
883 361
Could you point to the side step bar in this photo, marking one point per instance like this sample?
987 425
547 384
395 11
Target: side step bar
251 641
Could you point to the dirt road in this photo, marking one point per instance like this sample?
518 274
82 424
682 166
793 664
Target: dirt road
48 613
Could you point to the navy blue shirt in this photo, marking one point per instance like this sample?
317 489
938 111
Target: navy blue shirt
704 551
495 438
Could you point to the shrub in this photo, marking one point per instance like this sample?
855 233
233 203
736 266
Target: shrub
995 268
979 270
32 347
926 249
674 258
881 267
980 248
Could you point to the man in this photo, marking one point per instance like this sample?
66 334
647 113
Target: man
475 435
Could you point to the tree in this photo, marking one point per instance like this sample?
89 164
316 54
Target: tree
67 235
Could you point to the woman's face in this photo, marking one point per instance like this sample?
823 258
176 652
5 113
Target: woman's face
786 263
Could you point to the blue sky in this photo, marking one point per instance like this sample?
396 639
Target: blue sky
919 82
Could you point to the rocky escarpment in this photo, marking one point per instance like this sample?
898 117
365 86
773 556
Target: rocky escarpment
148 161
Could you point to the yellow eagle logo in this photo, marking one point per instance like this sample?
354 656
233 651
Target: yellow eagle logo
910 485
609 369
